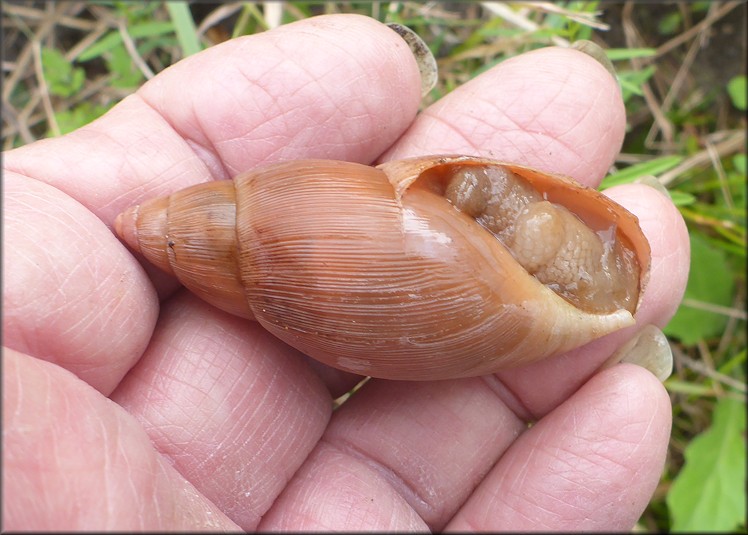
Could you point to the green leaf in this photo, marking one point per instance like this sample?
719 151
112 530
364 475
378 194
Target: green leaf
490 28
736 88
709 492
113 38
62 78
739 161
670 23
82 114
692 389
632 81
619 54
652 167
125 73
185 27
710 281
681 198
738 360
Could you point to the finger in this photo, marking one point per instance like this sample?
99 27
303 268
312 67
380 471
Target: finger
553 109
299 91
397 455
536 389
72 460
235 411
72 294
592 464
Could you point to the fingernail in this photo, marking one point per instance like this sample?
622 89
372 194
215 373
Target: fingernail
597 53
649 349
651 181
424 58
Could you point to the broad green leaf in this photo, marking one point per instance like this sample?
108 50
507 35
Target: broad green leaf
125 73
62 78
710 281
709 492
631 173
737 88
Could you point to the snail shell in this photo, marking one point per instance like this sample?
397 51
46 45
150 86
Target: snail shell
427 268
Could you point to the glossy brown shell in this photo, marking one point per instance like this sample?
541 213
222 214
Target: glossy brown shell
365 270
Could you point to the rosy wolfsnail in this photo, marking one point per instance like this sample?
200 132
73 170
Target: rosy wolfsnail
427 268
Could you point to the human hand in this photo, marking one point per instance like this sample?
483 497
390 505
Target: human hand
217 425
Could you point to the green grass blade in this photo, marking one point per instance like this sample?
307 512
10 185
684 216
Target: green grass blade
619 54
652 167
185 27
681 198
113 39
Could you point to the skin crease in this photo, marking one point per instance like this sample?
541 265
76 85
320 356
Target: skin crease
198 420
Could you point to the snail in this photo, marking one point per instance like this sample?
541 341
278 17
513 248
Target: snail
419 269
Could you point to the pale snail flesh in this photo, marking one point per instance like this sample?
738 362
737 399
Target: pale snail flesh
427 268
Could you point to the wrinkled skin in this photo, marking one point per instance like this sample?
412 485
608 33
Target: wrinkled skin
130 404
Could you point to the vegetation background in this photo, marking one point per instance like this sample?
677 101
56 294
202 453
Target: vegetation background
682 70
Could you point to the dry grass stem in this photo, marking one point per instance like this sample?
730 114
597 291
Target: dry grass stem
635 40
717 309
728 336
708 369
43 89
273 13
732 145
519 19
25 58
99 29
217 15
717 166
133 51
681 76
684 70
587 19
31 13
717 11
685 361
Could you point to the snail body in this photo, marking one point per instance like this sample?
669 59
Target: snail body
427 268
